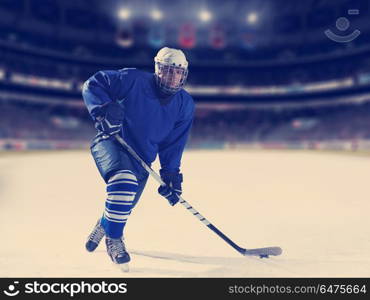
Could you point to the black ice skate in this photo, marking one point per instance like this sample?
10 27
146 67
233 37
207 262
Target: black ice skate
95 237
117 251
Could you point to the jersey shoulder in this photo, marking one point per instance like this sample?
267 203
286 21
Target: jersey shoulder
187 97
187 105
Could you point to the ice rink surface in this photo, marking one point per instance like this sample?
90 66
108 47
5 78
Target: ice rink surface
316 206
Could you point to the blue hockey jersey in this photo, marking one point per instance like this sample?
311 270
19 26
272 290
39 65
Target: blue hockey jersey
150 126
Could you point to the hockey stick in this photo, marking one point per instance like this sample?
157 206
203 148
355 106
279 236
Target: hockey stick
261 252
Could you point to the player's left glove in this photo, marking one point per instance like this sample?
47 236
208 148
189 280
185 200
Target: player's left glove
172 190
110 119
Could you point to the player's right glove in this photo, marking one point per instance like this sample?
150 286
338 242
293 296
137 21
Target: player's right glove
109 121
172 190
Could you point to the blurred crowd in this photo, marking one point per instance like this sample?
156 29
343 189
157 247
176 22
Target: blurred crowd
344 122
35 121
232 73
341 122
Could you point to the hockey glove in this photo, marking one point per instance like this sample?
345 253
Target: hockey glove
172 190
109 122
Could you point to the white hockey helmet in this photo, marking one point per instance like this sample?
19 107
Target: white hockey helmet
171 70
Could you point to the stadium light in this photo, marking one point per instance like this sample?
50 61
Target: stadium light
205 16
252 18
124 13
156 14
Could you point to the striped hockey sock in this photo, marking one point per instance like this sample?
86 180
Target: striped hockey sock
121 189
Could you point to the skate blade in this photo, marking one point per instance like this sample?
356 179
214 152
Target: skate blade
124 268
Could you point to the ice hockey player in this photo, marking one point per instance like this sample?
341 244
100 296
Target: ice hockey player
153 114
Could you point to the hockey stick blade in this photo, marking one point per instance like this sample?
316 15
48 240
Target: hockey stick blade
262 252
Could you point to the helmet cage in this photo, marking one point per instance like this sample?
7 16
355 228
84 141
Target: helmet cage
165 75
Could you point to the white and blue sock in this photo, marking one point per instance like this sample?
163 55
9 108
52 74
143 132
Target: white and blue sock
121 189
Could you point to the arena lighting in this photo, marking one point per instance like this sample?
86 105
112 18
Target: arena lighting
205 16
156 14
252 18
124 13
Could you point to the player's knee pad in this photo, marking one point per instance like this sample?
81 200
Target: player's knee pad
122 187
